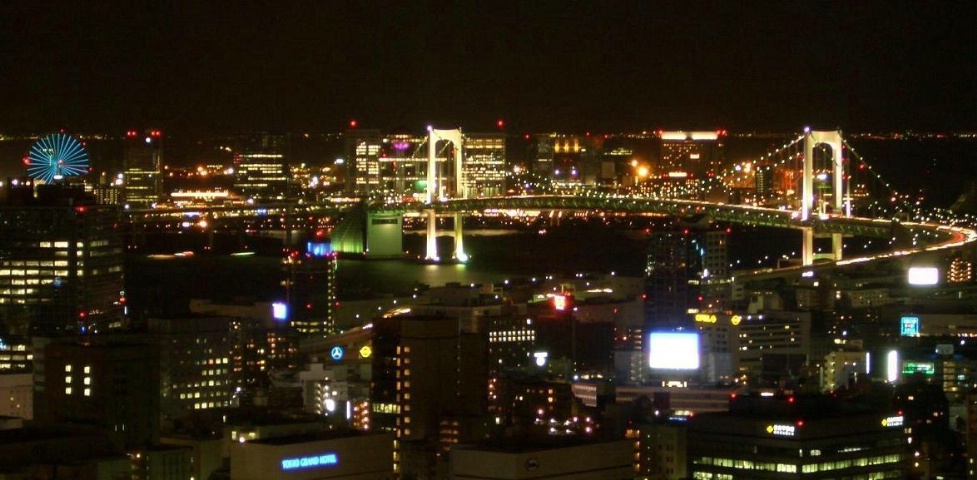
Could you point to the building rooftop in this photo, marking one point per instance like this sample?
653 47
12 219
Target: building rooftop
313 437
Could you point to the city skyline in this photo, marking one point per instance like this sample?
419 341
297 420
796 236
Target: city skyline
433 241
539 66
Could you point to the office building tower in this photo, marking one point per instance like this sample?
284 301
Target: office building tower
395 165
691 154
61 264
511 339
484 165
772 348
261 168
802 437
567 160
711 253
310 288
660 448
667 275
429 385
109 384
687 272
403 166
195 366
142 177
363 152
258 351
16 380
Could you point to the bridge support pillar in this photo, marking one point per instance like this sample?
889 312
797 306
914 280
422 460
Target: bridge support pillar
832 139
432 236
807 246
460 254
836 244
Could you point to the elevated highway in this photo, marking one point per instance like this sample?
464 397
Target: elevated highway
906 238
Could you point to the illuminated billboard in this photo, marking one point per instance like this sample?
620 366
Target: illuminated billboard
279 311
925 368
923 275
560 302
909 326
673 350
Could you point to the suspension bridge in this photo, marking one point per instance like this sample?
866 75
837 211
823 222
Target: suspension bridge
815 183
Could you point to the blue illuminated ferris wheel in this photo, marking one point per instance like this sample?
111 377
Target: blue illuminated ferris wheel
55 157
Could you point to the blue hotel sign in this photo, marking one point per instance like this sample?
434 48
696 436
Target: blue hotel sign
310 461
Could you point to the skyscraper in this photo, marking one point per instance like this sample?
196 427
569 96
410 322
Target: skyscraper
311 288
261 169
484 166
686 272
61 262
363 151
142 178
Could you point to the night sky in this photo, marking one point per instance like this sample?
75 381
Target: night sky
602 66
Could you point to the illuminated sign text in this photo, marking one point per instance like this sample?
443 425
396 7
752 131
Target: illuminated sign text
310 461
781 430
893 421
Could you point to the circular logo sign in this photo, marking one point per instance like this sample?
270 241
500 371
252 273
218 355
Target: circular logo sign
336 353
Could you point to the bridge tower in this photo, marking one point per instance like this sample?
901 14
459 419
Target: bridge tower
840 201
438 187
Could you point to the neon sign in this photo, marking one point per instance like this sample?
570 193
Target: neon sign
336 353
310 461
781 430
893 421
705 318
909 327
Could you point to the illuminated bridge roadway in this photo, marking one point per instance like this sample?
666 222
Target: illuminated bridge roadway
908 238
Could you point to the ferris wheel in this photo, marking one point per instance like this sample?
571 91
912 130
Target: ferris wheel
56 156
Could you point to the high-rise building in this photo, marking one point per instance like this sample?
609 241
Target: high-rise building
429 384
261 169
697 154
61 264
310 286
796 437
660 449
363 152
16 381
395 165
195 366
142 177
484 165
109 384
686 272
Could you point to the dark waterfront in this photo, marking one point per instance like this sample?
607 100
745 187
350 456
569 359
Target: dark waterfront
164 283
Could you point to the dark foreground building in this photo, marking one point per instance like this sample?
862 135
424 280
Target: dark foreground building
790 438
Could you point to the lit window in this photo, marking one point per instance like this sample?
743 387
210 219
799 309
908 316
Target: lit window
88 392
67 390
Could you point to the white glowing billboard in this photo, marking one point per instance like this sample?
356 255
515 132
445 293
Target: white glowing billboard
673 351
924 275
